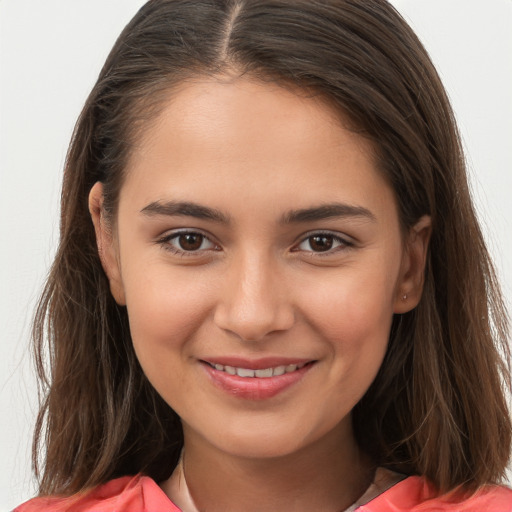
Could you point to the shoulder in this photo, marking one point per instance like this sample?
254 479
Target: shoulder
126 494
415 494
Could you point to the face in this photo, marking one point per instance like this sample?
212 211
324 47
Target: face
258 252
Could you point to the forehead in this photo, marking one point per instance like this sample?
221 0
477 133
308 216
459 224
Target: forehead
205 108
250 138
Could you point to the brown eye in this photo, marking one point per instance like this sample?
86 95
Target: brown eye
323 242
187 242
320 243
190 241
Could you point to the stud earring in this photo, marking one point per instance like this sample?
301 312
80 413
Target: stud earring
404 297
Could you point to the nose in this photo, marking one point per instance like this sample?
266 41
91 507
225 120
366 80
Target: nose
254 301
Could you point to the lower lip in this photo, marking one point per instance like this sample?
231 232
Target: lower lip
255 388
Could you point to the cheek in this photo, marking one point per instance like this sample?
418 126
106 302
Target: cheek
353 316
350 305
165 311
164 308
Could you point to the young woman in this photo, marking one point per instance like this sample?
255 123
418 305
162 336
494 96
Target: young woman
271 291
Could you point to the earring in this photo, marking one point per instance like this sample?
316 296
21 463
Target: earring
404 297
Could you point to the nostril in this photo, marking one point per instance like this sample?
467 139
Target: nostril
251 322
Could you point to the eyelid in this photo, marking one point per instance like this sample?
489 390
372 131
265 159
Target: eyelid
165 240
344 241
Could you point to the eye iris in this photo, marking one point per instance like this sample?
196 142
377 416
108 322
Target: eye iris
321 243
190 241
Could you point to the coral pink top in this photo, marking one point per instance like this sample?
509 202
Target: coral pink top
142 494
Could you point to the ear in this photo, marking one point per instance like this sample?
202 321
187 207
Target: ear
412 272
107 245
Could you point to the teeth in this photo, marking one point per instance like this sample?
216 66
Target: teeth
262 374
267 372
279 370
244 372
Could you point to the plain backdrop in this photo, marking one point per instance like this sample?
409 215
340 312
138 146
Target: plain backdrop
50 55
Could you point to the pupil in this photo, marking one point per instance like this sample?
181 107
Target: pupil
190 241
321 243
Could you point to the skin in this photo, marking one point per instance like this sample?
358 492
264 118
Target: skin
259 287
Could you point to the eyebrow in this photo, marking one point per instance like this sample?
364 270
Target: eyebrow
190 209
327 211
185 208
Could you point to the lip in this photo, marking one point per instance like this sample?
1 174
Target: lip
255 364
255 388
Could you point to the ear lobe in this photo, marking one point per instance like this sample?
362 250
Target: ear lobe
107 248
412 273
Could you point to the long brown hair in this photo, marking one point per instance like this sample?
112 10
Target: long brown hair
437 407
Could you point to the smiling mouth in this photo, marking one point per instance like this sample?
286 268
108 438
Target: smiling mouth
263 373
264 380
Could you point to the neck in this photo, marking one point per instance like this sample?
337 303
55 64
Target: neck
328 475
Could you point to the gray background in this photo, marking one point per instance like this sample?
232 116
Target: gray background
50 55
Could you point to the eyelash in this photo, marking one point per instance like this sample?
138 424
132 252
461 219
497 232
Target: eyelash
336 238
166 243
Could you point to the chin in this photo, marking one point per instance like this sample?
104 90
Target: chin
268 440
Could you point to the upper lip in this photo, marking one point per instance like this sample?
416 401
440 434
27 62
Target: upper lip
255 364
